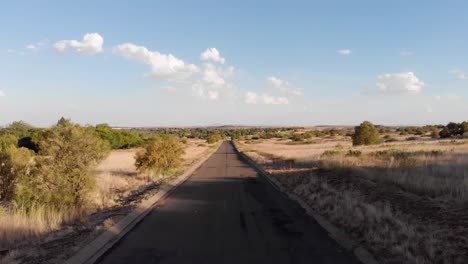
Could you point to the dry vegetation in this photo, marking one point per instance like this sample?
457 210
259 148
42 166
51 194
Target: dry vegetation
118 188
405 200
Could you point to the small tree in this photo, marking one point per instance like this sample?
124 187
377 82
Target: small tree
61 175
160 156
213 138
366 134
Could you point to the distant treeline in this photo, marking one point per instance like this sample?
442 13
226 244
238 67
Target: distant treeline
24 135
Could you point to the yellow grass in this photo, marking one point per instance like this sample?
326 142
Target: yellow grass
444 175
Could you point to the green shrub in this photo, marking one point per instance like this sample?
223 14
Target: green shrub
213 138
118 139
61 176
7 141
13 165
366 134
331 153
297 137
160 156
354 153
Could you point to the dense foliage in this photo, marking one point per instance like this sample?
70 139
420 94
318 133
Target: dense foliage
453 129
60 176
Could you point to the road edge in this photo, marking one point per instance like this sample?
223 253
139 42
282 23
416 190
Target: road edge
90 253
338 235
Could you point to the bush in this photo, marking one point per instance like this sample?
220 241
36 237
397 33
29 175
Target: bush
366 134
118 139
297 137
213 138
331 153
13 165
160 156
60 177
8 141
354 153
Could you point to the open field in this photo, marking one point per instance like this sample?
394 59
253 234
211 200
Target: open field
42 234
404 200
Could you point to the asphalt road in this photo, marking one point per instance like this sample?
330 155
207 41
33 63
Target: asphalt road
225 213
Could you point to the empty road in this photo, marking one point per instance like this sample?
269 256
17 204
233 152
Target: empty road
225 213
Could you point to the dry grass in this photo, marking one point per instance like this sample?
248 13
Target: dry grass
403 200
116 178
434 167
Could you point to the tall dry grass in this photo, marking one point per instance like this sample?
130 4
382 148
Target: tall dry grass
18 225
438 168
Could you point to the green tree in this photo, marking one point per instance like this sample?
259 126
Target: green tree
464 127
61 176
366 134
160 156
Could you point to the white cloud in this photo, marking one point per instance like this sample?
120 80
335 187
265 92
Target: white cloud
213 76
267 99
90 44
253 98
213 55
282 86
165 67
345 51
400 83
36 46
2 93
406 53
460 74
13 51
213 95
203 91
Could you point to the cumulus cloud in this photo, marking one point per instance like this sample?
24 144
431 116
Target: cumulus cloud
282 86
344 52
2 93
212 54
460 74
165 67
253 98
90 44
400 83
213 76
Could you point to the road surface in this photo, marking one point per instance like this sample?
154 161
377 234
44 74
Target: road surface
225 213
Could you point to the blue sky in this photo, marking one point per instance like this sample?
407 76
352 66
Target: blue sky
175 63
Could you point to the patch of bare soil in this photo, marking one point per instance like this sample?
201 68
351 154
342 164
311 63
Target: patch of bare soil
396 225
